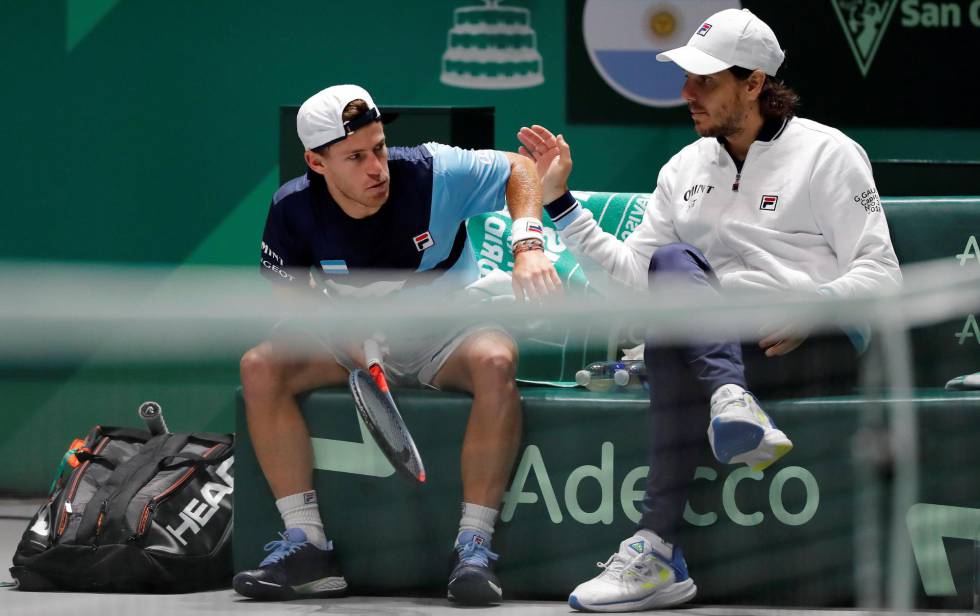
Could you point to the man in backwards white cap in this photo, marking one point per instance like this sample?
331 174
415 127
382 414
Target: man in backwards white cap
363 207
764 200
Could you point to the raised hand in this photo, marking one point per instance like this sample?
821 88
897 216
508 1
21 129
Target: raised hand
552 158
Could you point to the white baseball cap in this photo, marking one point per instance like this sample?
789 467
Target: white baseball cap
729 38
320 122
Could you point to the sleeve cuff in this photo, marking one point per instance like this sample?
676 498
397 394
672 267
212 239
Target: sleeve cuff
563 210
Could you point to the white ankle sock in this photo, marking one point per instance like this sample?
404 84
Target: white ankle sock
301 511
478 518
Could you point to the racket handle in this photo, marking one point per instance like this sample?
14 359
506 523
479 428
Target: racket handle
372 357
152 415
372 353
378 375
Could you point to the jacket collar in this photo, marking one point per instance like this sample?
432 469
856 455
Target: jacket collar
771 130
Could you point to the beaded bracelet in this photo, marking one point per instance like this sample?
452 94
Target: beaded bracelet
528 244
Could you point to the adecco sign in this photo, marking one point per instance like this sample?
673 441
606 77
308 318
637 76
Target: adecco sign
631 492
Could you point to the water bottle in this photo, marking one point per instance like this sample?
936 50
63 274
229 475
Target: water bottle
609 375
637 370
602 375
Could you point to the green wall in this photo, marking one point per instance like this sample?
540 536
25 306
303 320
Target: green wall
138 131
133 130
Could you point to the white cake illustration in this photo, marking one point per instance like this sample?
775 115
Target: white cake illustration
492 47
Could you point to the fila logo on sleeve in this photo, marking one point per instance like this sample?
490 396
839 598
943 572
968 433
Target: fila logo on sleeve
423 241
769 202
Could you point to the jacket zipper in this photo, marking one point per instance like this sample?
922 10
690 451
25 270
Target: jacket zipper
735 185
103 512
70 494
151 506
738 174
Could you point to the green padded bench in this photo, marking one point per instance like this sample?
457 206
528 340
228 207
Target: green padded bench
576 488
787 537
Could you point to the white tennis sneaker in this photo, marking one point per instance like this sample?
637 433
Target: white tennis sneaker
740 432
646 573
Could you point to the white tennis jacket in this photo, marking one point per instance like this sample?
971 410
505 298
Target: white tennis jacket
803 215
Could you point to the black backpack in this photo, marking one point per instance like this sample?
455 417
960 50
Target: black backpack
136 513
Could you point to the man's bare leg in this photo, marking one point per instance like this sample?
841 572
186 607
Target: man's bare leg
271 379
272 375
485 365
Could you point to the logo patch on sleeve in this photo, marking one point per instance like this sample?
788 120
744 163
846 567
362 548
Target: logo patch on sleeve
768 202
423 241
335 267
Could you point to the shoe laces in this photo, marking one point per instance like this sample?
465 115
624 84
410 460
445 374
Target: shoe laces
745 404
280 549
473 553
735 403
616 565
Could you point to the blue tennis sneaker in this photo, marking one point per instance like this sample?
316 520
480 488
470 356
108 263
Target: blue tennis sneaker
294 569
472 581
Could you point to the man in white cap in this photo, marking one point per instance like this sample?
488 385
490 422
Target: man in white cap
363 207
766 201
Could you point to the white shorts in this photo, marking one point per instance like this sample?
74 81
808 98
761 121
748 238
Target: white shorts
414 365
409 360
407 363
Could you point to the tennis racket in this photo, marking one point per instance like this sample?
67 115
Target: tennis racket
377 408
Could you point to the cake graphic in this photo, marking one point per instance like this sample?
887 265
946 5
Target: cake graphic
492 47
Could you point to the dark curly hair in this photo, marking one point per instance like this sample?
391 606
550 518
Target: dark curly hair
777 100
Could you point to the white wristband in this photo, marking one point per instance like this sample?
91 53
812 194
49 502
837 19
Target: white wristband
526 229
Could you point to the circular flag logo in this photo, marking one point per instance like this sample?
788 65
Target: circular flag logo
623 38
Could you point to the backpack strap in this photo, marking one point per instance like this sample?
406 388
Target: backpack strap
88 456
214 437
186 458
190 459
112 498
130 434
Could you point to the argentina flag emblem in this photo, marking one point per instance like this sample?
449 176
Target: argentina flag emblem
623 38
336 267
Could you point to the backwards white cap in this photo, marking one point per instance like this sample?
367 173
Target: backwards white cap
320 119
729 38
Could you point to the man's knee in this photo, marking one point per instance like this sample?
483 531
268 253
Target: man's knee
262 373
494 359
499 360
679 257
